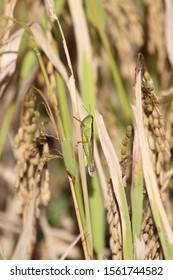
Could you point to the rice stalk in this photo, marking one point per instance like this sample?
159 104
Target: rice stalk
116 177
68 83
155 129
113 219
125 28
72 87
96 14
158 212
33 156
156 31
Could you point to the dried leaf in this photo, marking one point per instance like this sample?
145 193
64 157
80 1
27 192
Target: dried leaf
9 54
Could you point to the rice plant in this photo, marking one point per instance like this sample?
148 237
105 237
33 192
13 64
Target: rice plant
86 130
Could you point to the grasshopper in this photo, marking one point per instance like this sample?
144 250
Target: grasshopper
87 129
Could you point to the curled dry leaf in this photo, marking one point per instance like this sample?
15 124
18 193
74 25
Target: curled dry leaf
9 54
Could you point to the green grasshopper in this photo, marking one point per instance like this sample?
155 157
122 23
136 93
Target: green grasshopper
87 129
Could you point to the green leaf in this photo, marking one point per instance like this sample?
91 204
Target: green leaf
127 245
27 64
69 157
97 16
137 205
1 6
96 13
5 126
57 209
59 5
88 89
97 216
63 106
